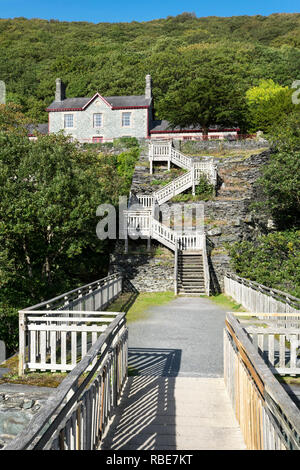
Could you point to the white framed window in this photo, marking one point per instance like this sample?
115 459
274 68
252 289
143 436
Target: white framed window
126 119
97 120
68 120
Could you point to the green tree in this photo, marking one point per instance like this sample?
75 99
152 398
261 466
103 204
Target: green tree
267 104
13 120
49 192
203 102
272 260
280 180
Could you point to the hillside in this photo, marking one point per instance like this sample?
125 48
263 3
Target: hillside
229 53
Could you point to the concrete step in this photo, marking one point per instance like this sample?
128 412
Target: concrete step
190 277
190 270
191 282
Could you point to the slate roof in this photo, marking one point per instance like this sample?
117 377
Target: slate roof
165 126
41 128
114 101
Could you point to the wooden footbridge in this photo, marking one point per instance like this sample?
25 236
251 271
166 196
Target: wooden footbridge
98 407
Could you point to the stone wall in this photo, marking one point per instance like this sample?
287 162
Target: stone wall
193 146
148 272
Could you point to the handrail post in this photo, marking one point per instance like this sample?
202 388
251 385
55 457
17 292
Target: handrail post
176 267
193 179
22 342
206 266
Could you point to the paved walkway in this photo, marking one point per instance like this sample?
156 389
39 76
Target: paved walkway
178 399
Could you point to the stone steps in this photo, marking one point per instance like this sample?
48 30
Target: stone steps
190 275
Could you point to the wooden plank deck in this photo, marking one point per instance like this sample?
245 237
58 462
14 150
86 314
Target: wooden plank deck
174 413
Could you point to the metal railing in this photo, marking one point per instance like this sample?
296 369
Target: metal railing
79 412
55 334
268 417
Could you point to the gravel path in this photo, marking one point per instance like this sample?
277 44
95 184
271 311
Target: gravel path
182 338
178 401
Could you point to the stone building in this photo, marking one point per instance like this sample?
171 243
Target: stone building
99 118
102 119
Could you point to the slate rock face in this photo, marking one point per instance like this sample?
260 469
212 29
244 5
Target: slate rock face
146 272
17 409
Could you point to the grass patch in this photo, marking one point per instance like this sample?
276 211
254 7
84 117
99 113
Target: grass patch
139 309
227 302
38 379
190 198
287 379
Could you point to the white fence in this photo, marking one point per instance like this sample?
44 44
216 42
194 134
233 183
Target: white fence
55 335
277 345
257 298
77 415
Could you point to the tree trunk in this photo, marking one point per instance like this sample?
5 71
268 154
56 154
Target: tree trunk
27 259
205 132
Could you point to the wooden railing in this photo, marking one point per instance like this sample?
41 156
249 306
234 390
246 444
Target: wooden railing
55 334
144 224
191 241
268 418
163 234
208 169
181 160
278 346
138 223
257 298
79 412
177 186
166 152
145 200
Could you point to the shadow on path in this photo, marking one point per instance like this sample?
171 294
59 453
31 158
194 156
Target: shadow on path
153 361
146 416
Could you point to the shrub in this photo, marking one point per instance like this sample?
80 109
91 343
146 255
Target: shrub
9 328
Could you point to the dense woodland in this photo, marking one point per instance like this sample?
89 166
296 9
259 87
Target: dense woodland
229 71
203 65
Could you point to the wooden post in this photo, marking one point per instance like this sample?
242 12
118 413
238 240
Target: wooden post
193 180
22 342
149 244
176 269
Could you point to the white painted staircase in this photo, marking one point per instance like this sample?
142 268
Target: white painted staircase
141 220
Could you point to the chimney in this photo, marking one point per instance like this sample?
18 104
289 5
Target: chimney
148 90
60 93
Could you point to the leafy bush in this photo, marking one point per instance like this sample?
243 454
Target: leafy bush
9 328
204 189
125 165
127 142
280 180
273 260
